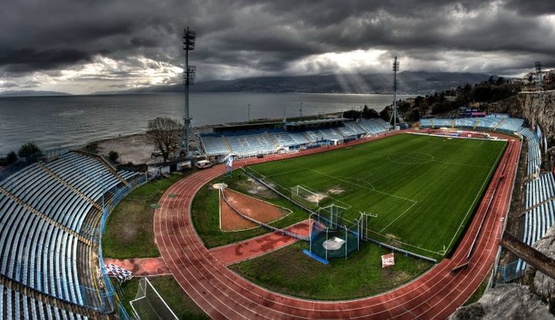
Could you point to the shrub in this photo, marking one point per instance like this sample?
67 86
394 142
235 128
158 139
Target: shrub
113 156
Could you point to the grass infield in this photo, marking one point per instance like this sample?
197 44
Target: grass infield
206 218
129 232
171 292
423 189
289 271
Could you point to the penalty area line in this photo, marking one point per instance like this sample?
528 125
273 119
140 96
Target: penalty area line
399 216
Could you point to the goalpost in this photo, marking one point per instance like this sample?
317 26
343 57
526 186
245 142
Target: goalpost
306 197
148 304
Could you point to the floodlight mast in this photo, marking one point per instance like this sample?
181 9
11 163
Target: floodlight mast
539 77
395 114
189 37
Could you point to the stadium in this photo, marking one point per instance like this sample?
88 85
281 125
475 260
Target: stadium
438 194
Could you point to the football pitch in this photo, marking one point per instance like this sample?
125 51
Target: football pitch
420 190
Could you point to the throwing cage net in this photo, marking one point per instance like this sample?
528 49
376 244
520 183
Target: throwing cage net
330 236
148 304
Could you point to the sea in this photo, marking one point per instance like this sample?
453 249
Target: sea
72 121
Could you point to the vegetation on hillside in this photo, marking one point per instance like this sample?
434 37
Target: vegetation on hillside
476 96
479 96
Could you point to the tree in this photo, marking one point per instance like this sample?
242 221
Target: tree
30 151
113 156
165 134
11 157
91 147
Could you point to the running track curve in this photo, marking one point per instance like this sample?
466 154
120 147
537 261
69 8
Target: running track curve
222 294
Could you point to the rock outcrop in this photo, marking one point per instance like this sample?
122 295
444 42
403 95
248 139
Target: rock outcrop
543 285
509 301
539 108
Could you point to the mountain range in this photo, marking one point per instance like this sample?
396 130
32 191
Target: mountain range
32 93
408 83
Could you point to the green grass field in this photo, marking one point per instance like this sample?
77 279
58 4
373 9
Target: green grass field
291 272
423 189
180 303
129 232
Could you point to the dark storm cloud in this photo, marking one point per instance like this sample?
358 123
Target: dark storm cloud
532 7
268 36
23 60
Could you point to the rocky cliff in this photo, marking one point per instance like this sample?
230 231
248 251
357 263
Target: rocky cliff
539 108
514 301
510 301
541 284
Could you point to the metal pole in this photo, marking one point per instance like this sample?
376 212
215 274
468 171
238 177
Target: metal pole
359 234
189 44
310 226
326 240
395 113
187 119
346 241
310 229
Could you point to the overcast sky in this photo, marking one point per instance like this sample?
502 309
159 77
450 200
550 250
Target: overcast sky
83 46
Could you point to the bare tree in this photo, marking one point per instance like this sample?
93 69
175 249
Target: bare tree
165 134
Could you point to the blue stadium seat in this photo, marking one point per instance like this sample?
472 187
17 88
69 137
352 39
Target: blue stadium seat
38 253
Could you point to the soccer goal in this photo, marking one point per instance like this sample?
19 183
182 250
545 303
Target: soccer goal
148 304
309 199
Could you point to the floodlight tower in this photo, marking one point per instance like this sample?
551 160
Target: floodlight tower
395 114
189 37
539 77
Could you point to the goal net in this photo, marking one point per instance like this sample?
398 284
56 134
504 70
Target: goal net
307 198
148 304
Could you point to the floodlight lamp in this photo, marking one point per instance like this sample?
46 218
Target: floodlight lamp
395 65
189 39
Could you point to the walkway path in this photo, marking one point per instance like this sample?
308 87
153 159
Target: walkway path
141 266
222 294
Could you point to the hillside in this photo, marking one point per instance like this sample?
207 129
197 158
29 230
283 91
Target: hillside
409 82
32 93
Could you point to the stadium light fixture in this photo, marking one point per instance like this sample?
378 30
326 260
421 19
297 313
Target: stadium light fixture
189 40
395 113
539 77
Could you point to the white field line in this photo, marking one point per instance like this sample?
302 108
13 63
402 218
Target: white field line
287 172
399 216
475 199
343 180
373 189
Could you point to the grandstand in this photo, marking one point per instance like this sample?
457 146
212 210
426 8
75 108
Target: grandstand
50 215
293 136
492 122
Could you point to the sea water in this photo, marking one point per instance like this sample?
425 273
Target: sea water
70 121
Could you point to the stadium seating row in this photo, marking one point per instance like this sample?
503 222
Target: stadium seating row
14 305
540 214
42 211
489 122
534 154
251 143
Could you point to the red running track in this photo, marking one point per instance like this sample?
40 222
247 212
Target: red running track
222 294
